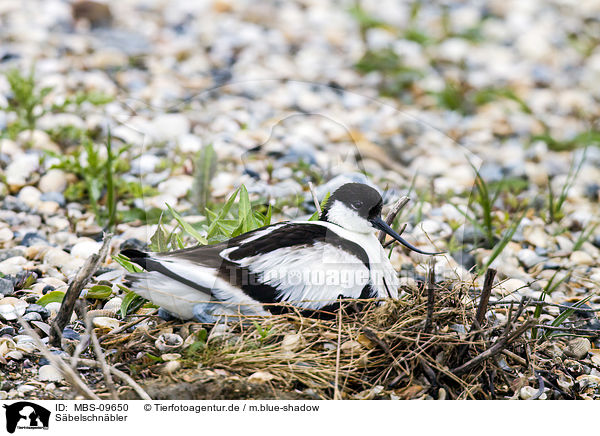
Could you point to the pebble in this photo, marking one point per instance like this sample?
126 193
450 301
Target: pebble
85 248
41 310
6 235
6 286
53 308
53 181
529 258
10 252
581 258
20 170
33 238
32 316
30 196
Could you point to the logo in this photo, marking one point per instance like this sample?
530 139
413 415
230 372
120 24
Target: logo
26 415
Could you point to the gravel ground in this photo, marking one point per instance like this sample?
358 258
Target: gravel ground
415 99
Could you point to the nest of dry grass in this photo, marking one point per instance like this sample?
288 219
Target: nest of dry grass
426 344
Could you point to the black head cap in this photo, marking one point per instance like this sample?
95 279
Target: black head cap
365 200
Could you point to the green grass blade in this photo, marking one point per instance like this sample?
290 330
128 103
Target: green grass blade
187 227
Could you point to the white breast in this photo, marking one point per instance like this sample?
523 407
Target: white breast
382 276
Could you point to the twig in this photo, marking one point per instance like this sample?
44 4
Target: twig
314 197
574 330
391 216
372 336
101 359
126 326
500 344
486 291
70 375
546 303
84 274
336 391
430 295
515 357
117 373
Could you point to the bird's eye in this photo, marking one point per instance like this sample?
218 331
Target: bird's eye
356 204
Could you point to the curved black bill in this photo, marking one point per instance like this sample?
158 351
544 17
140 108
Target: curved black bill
382 225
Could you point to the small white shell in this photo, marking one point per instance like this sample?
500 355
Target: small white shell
578 348
168 342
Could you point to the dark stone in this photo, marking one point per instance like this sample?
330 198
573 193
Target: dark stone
32 316
48 288
466 259
37 308
6 286
592 191
133 243
7 253
7 330
596 241
33 238
165 314
252 173
69 333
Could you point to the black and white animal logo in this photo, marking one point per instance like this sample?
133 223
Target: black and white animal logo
26 415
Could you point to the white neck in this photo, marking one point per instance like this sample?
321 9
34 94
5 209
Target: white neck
347 218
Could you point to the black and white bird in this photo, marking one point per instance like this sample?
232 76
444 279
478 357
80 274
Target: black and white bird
307 264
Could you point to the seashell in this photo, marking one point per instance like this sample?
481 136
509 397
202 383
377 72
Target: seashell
578 348
351 347
171 366
261 377
14 354
292 342
105 322
168 342
527 393
170 356
114 304
11 308
49 373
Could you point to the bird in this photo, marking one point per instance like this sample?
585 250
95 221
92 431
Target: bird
310 265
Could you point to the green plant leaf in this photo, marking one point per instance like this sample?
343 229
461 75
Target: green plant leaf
126 263
130 303
188 227
99 292
51 297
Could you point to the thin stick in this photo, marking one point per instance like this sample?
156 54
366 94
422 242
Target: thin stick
314 197
117 373
500 344
84 274
336 391
102 360
575 331
546 303
126 326
430 295
70 375
391 216
515 357
486 291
